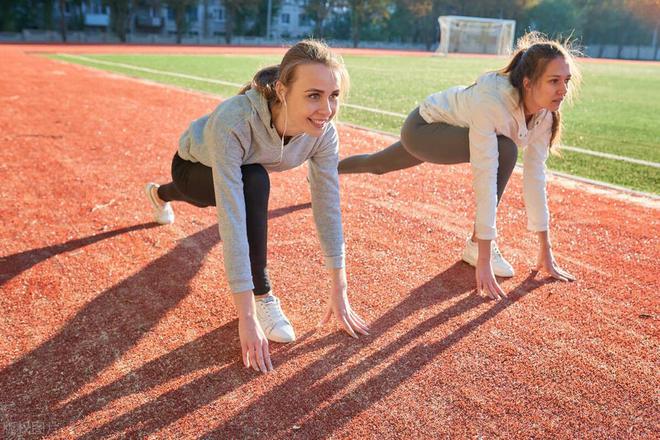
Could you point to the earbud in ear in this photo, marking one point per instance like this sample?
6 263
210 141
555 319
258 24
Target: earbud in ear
280 92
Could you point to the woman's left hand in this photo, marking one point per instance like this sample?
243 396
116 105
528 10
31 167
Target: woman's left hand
339 306
547 263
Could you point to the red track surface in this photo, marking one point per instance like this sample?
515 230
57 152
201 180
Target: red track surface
113 327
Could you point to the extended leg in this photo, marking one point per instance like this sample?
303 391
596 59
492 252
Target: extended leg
393 158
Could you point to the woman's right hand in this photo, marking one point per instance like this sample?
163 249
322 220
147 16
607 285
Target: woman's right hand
486 280
484 273
254 345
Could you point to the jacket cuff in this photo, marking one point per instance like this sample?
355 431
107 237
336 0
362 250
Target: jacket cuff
241 286
537 227
335 262
485 233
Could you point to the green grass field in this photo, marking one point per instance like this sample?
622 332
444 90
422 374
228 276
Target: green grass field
616 111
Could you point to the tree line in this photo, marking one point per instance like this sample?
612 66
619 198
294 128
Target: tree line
620 22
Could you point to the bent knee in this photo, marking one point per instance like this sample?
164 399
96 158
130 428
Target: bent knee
255 176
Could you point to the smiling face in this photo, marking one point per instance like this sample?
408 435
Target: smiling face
312 100
549 90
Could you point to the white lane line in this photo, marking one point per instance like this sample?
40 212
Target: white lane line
155 71
612 156
375 110
355 106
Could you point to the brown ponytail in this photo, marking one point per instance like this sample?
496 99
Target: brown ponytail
533 53
264 82
557 127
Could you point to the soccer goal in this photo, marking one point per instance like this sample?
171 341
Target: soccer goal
475 35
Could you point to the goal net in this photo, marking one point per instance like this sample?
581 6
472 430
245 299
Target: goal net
475 35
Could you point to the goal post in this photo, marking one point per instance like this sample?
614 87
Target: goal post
475 35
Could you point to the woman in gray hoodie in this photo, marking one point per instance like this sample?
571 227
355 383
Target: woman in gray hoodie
278 121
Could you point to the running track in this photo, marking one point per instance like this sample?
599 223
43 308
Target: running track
112 326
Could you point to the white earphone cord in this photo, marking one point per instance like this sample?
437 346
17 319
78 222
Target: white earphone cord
286 120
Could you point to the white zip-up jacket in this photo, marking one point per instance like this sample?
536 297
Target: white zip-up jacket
239 132
489 108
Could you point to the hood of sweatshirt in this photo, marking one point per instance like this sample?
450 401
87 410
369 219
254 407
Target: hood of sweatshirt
259 105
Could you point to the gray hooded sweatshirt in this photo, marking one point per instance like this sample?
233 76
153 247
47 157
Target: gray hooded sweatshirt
239 132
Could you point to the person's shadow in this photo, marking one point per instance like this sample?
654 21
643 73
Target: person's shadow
15 264
34 389
304 394
37 388
307 390
341 411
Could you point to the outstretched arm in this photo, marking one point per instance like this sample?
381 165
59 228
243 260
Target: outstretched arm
484 157
230 201
324 186
536 200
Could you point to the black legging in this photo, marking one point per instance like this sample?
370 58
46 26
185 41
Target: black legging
193 183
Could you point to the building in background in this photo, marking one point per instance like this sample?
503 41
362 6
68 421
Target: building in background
159 18
95 15
291 20
147 19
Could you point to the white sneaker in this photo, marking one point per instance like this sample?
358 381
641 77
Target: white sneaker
163 214
501 267
273 321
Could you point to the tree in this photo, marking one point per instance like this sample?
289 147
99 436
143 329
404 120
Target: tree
120 14
318 11
424 20
180 8
205 20
48 14
400 26
611 22
16 15
6 15
647 11
554 17
257 11
62 7
232 11
365 13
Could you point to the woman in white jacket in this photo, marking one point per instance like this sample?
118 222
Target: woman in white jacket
484 124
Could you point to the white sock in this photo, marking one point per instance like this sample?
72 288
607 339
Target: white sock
264 296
